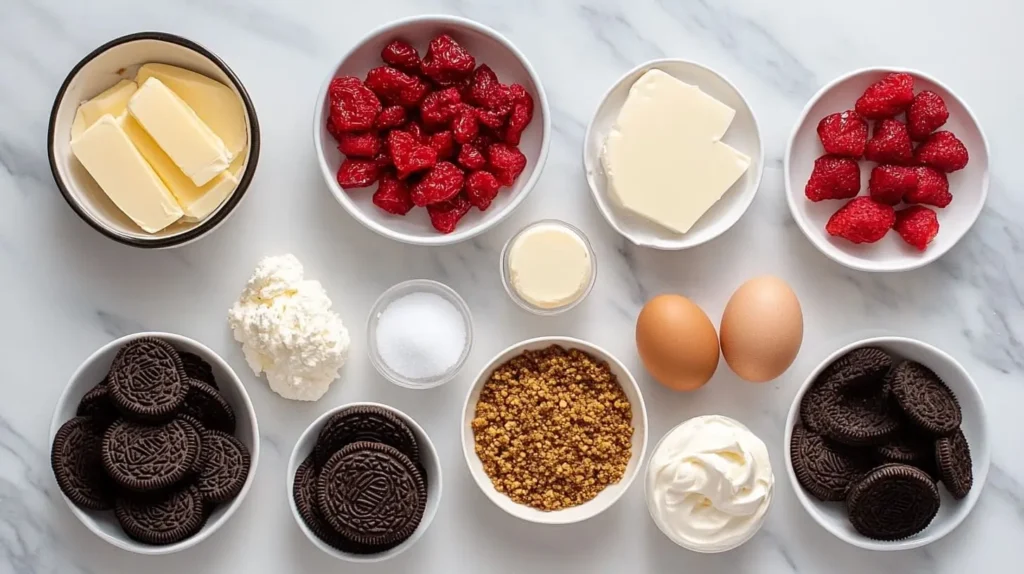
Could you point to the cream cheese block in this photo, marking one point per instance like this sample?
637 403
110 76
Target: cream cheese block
113 101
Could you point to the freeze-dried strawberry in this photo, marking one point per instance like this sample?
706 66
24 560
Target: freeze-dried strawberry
408 154
932 188
439 108
416 130
522 114
446 61
481 189
445 216
470 158
480 85
886 97
396 87
465 126
890 144
357 173
383 159
833 177
390 117
917 225
335 132
392 195
943 151
506 162
353 106
490 118
359 144
402 55
926 114
441 183
843 133
889 183
862 220
444 143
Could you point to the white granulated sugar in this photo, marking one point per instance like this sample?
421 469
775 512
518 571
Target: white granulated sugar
421 335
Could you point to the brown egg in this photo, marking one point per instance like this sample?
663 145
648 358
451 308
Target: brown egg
677 342
762 328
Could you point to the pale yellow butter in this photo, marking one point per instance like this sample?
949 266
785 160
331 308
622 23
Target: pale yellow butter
113 101
549 266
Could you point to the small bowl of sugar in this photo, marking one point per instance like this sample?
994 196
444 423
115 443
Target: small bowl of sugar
419 334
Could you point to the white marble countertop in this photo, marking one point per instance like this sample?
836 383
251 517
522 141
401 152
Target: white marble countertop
65 289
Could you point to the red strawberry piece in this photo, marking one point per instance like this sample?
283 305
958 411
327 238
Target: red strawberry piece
383 159
926 114
439 108
483 141
359 144
481 189
522 114
396 87
890 143
465 126
353 106
506 162
444 216
889 183
443 182
446 61
357 173
471 158
444 143
862 220
932 188
480 85
408 154
402 55
843 133
833 178
392 195
917 225
490 118
886 97
943 151
335 132
390 117
416 130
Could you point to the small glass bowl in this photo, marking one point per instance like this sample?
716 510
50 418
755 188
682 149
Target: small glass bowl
506 272
396 292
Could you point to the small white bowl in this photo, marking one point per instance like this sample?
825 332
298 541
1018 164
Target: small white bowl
428 458
609 495
104 524
969 186
117 60
506 272
488 47
832 516
744 135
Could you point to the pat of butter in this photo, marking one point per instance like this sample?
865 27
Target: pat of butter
179 132
549 266
113 101
663 158
123 174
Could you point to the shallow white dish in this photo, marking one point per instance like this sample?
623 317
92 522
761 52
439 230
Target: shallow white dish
103 523
428 458
743 134
969 186
609 495
832 515
488 47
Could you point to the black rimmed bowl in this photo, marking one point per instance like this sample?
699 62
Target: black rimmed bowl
116 60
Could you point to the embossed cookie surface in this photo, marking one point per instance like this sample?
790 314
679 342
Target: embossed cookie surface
956 468
147 380
823 469
861 417
224 468
207 405
167 519
78 466
364 423
925 399
892 502
150 457
197 368
97 404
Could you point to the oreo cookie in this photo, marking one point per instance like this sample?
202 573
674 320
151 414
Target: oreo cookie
166 519
861 418
906 447
364 424
860 369
925 399
892 502
147 380
205 404
78 466
146 458
813 404
97 404
956 468
198 466
824 469
197 368
225 466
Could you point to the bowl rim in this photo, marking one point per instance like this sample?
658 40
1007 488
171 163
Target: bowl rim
456 236
254 455
639 407
293 465
506 279
979 479
812 234
682 243
208 224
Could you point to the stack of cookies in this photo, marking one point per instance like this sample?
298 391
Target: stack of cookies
363 489
879 434
154 441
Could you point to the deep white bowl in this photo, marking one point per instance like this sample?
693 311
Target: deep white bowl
743 134
103 523
969 186
832 516
428 458
609 495
488 47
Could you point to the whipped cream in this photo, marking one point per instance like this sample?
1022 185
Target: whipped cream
709 484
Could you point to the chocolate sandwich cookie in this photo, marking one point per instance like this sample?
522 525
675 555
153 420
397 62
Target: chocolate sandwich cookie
825 469
860 369
198 466
197 368
861 418
147 380
224 469
146 458
78 466
97 404
364 423
371 493
953 456
906 447
925 399
205 404
166 519
813 404
892 502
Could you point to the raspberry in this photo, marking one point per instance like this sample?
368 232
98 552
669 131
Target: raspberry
886 97
490 118
439 108
446 61
396 87
843 134
335 132
383 159
359 144
506 162
917 225
862 220
390 117
416 130
357 173
481 189
487 92
522 114
353 106
408 154
483 141
444 143
402 55
392 195
889 183
470 158
932 188
943 151
926 114
833 178
465 126
445 216
441 183
890 144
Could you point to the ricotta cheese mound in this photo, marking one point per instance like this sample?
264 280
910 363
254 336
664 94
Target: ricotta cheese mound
288 331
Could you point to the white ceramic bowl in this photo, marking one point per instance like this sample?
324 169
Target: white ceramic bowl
120 59
609 495
969 186
104 524
832 515
428 458
743 134
488 47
